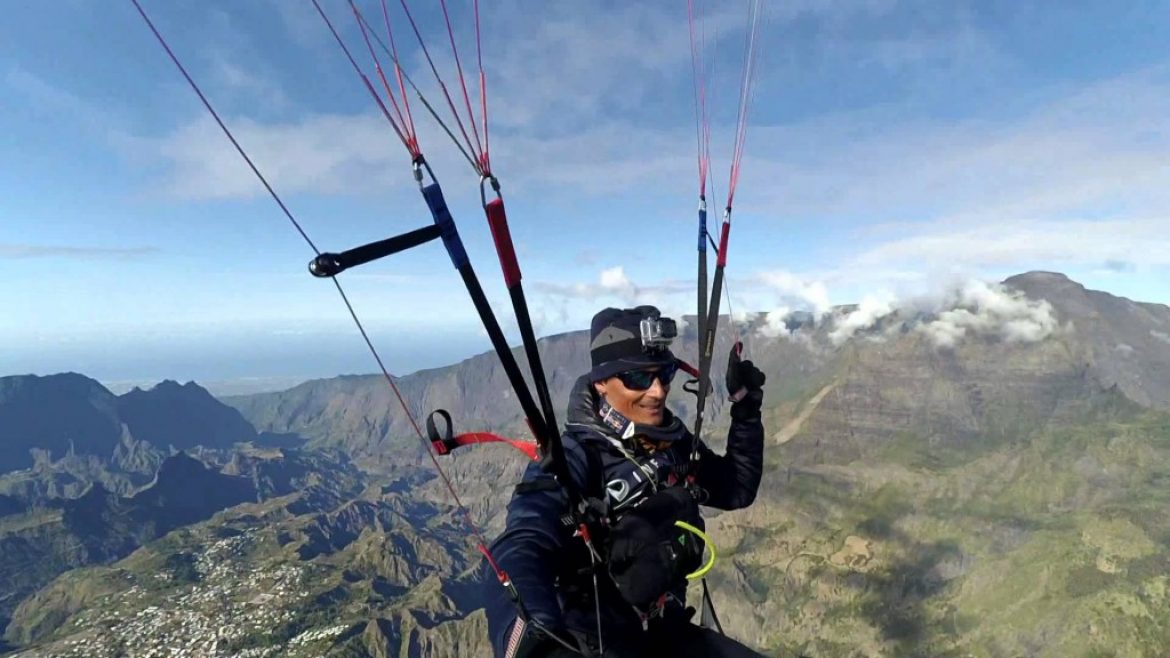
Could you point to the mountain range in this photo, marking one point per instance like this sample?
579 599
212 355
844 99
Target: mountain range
982 474
70 414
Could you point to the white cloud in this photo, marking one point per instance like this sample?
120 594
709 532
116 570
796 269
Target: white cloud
811 295
1160 335
987 310
785 293
1005 243
39 91
557 129
605 62
353 154
57 104
560 122
871 310
775 323
614 280
331 154
1080 149
561 305
957 310
743 317
613 283
302 24
255 88
19 251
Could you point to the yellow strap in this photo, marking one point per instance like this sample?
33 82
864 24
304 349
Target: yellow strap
706 542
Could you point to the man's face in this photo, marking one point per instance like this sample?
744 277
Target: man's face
641 406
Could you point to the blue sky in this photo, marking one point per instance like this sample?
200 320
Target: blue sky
892 145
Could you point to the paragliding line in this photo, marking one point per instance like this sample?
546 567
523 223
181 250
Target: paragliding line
710 326
446 94
481 542
392 51
215 115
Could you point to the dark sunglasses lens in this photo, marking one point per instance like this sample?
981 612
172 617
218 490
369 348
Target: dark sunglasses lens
640 380
637 380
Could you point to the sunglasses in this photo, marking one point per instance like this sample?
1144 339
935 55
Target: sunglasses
640 380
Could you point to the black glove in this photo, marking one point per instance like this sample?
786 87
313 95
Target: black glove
743 377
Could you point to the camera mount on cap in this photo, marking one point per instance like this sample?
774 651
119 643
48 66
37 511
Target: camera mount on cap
657 332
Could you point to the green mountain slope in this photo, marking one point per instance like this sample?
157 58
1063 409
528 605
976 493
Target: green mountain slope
1001 493
315 573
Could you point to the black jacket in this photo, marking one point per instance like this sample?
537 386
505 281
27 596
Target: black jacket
549 566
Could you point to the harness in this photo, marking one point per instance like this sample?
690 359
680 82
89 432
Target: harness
645 535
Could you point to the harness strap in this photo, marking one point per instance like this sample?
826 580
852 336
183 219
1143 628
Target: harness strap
446 440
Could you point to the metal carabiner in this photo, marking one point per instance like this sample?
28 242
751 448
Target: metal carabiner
495 183
418 166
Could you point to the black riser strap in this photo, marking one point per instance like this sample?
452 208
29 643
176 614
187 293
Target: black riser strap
549 442
707 348
532 351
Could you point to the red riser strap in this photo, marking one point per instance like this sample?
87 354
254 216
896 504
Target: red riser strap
498 220
722 257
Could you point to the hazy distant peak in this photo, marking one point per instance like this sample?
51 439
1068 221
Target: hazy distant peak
65 381
1040 284
171 387
1040 275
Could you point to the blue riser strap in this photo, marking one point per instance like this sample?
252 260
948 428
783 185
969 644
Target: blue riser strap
702 230
438 205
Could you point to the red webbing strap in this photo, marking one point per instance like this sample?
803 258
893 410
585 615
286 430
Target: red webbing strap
498 220
721 257
470 438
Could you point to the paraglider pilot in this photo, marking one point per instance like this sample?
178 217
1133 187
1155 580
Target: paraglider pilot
623 594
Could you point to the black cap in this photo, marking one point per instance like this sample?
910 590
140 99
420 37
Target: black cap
615 342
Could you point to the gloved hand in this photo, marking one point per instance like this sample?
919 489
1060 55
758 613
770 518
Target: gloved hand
742 376
537 643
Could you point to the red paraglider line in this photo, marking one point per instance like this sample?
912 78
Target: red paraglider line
412 148
702 121
463 84
397 66
407 127
746 93
487 163
446 94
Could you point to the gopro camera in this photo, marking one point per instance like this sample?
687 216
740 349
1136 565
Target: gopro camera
658 332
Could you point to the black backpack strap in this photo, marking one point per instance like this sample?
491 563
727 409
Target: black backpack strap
543 484
595 475
594 492
594 496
